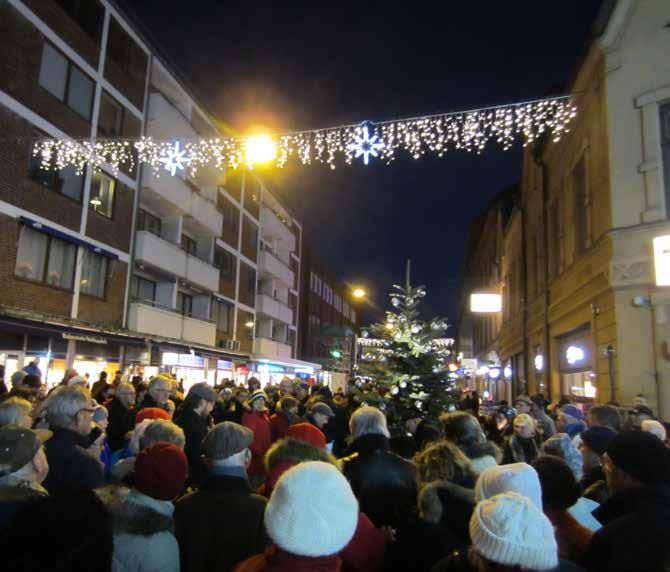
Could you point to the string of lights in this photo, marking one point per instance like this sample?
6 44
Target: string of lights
469 130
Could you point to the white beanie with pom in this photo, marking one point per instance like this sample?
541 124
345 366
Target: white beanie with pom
312 510
515 478
509 529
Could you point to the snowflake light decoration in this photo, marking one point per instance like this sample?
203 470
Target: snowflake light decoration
174 159
365 145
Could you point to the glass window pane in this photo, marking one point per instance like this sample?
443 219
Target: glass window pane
60 270
53 71
80 93
110 116
102 194
31 254
93 274
71 183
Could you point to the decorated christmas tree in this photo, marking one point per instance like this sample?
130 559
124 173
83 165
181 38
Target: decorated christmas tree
405 360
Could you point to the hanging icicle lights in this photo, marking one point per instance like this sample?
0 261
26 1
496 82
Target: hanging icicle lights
467 130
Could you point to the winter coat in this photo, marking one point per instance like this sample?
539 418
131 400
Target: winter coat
149 401
259 423
195 428
70 466
143 531
365 551
16 494
450 505
574 429
519 450
384 483
482 455
573 539
121 421
546 424
279 424
277 560
635 535
219 525
459 562
594 486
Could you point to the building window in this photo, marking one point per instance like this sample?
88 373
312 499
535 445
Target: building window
88 14
224 261
102 194
222 315
110 117
188 245
65 81
46 259
581 212
93 274
251 282
143 289
184 304
230 215
665 146
66 181
150 223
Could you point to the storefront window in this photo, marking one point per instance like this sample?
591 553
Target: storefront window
575 360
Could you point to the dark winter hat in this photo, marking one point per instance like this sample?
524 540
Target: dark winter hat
322 408
523 399
598 439
642 410
203 391
226 439
161 471
18 446
641 455
573 411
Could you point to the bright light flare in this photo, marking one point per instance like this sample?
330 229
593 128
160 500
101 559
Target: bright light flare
485 303
260 149
358 293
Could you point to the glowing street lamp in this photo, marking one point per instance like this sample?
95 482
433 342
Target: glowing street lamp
485 303
358 293
249 324
260 149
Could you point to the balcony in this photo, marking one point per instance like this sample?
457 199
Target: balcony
167 257
166 121
271 267
273 228
268 348
268 306
170 324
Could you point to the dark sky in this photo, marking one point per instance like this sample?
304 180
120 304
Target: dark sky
299 65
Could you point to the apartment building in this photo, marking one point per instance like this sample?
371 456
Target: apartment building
590 320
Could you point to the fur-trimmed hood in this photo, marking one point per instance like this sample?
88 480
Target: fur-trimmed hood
293 450
135 513
484 449
439 497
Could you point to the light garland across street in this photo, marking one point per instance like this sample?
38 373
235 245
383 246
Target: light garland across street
436 134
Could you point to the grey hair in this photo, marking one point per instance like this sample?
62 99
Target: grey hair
124 385
156 380
12 409
368 421
162 430
64 403
17 378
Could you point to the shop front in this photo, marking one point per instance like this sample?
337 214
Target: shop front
271 372
576 363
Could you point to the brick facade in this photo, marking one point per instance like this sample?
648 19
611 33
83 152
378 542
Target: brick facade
107 312
115 231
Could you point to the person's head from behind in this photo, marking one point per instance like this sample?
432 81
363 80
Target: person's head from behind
463 430
286 386
560 445
159 389
75 533
518 478
71 408
125 393
101 417
103 376
17 379
508 533
321 413
16 411
161 430
593 445
560 489
523 404
641 413
524 426
22 456
161 471
227 445
201 398
242 395
368 421
604 416
289 405
312 511
253 384
444 462
635 459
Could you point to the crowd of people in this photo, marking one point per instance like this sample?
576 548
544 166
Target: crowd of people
125 476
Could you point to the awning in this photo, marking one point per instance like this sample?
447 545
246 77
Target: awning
41 227
185 348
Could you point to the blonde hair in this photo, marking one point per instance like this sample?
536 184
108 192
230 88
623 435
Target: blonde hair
524 420
443 461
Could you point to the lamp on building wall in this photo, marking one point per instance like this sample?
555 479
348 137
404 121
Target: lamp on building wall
260 149
485 303
539 362
249 324
662 260
358 293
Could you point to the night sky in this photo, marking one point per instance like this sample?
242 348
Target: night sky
302 65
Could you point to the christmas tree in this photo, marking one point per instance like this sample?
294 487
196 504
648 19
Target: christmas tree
405 361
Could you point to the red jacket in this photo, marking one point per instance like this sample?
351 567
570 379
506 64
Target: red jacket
276 560
259 423
279 425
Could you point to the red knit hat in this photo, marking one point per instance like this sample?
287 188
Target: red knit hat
308 433
151 413
161 471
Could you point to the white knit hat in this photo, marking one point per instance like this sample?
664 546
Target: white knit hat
655 428
515 478
509 529
312 510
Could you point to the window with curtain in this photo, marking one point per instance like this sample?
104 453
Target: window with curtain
44 258
184 304
223 260
150 223
222 315
102 194
143 289
60 267
93 274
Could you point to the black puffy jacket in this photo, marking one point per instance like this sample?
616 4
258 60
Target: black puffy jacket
384 483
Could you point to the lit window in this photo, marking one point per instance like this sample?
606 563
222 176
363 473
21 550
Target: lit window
102 194
46 259
93 274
